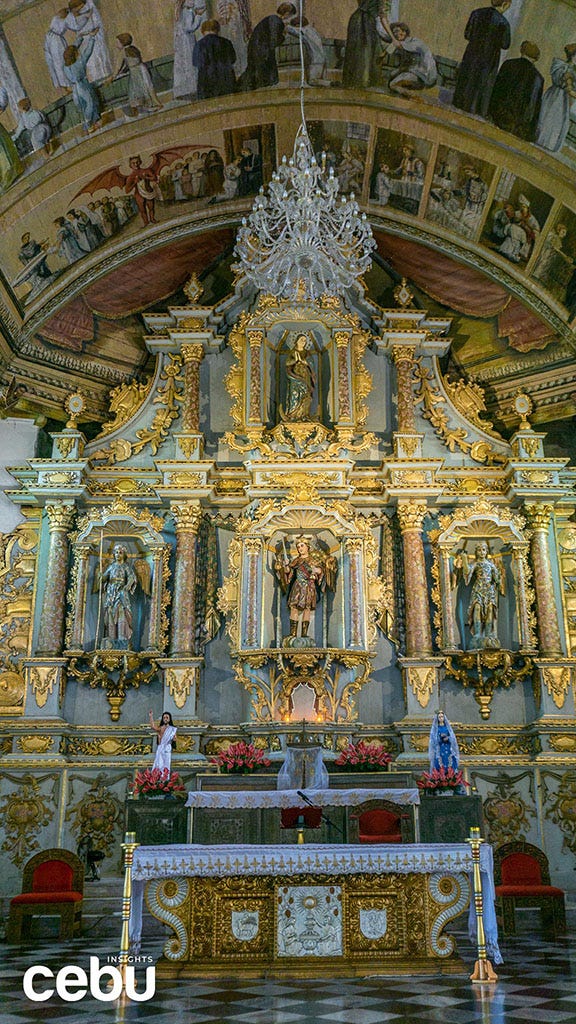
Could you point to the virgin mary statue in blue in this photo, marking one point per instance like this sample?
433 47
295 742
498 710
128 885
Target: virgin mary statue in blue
443 749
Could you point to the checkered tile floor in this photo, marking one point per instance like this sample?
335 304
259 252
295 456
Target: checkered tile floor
537 984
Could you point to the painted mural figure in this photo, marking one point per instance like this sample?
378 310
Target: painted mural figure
10 165
68 245
83 93
189 15
517 94
214 60
488 33
487 583
555 112
303 579
35 123
443 751
141 93
262 68
141 183
300 383
55 43
363 46
418 68
315 56
235 25
118 582
165 732
85 20
33 255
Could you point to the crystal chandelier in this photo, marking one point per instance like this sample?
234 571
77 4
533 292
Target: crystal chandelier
302 239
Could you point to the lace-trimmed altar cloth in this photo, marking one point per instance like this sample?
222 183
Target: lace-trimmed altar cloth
290 798
152 862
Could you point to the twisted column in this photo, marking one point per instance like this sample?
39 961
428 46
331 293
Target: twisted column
192 356
51 631
255 341
539 517
343 339
418 630
79 614
403 359
187 519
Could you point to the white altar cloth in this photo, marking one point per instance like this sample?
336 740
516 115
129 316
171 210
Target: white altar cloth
290 798
153 862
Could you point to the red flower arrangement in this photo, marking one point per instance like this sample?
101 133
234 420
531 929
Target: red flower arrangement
441 778
154 780
364 756
241 757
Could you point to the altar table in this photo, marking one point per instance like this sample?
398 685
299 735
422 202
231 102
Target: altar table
291 798
308 910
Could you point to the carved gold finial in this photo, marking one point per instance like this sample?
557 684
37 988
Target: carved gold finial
74 406
193 289
523 406
402 294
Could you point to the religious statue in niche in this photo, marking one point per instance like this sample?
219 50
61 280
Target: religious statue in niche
443 751
486 576
300 382
303 579
117 584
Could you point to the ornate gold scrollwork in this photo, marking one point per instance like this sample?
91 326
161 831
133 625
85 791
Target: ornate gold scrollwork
433 402
125 400
486 670
97 814
557 680
25 811
42 680
116 672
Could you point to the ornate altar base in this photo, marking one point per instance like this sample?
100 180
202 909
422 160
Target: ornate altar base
305 911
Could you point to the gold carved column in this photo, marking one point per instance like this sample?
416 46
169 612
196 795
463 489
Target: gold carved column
82 552
353 547
187 518
255 341
51 631
192 356
539 517
155 625
252 603
403 358
411 515
449 632
343 340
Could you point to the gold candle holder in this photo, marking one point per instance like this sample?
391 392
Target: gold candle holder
483 971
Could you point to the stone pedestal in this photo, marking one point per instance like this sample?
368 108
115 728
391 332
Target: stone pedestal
448 819
157 821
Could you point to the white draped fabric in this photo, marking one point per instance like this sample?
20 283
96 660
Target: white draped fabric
290 798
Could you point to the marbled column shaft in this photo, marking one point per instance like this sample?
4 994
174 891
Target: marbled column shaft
192 356
156 600
539 517
253 551
51 631
523 614
187 517
77 637
418 629
403 358
449 637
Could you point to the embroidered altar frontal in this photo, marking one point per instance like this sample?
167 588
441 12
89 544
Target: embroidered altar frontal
321 922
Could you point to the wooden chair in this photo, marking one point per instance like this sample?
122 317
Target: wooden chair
522 879
52 883
379 821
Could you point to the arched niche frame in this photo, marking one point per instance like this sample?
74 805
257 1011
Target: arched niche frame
138 532
503 532
262 342
335 662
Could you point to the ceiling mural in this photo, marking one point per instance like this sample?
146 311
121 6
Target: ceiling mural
135 136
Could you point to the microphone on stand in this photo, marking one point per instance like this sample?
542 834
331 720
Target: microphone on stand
305 798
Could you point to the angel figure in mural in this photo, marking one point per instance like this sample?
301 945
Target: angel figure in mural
443 749
117 583
300 382
488 581
303 579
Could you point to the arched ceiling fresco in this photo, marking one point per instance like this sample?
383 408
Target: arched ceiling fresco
127 163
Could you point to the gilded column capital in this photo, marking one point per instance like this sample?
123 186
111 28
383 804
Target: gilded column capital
192 353
255 338
403 354
411 515
342 338
187 516
539 516
60 517
253 545
353 544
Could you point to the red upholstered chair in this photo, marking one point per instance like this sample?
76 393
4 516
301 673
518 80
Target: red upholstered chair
52 883
379 821
522 879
